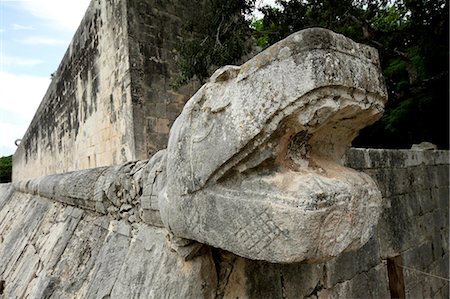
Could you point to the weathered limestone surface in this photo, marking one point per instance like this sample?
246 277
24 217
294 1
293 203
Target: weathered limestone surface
110 99
53 248
82 119
254 160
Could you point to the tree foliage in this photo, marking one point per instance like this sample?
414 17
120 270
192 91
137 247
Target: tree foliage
412 39
5 169
411 36
216 35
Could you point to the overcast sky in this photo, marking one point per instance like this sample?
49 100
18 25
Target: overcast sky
34 35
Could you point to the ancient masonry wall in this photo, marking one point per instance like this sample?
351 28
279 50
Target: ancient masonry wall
85 116
153 32
59 239
110 100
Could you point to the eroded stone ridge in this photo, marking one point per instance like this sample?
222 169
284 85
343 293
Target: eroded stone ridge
254 159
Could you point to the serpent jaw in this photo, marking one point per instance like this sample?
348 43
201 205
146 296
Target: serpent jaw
253 161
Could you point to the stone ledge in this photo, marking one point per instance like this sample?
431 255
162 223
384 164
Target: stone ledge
362 158
116 191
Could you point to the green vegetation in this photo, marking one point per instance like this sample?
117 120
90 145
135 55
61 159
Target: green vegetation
5 169
411 35
214 36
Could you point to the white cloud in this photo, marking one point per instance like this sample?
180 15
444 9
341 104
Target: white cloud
20 97
65 14
42 40
21 27
9 134
22 94
6 60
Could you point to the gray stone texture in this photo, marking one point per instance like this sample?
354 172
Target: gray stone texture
53 248
154 28
254 159
275 190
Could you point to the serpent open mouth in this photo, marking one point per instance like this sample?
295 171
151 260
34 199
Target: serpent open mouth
254 160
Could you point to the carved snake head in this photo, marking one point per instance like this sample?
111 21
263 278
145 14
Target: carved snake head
254 160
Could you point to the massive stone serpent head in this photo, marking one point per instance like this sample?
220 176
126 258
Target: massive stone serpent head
253 162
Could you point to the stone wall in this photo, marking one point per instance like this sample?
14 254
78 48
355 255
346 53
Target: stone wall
91 233
413 232
110 100
84 119
153 32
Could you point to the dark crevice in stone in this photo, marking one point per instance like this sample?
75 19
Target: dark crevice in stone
315 292
324 274
2 286
50 288
224 263
283 288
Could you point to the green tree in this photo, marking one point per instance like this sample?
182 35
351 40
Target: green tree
412 37
5 169
216 35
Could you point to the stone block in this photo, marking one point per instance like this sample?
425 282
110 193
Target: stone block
162 126
357 158
441 196
443 175
152 217
23 273
15 240
438 246
370 284
79 258
349 264
379 159
378 282
302 279
441 157
415 291
396 229
108 265
384 179
426 201
151 124
418 258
